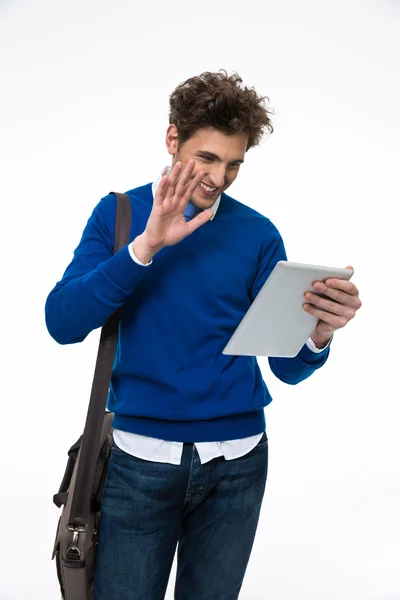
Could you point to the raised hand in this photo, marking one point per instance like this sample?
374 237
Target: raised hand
166 225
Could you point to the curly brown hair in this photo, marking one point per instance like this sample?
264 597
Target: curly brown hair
218 100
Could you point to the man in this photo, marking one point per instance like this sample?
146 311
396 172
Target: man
189 461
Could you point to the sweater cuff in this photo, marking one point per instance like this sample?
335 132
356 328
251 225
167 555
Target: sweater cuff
122 270
312 357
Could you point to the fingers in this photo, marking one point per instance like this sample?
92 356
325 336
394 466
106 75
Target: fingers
172 181
337 305
187 184
160 191
185 177
342 284
179 179
331 307
334 321
167 184
176 189
190 189
340 290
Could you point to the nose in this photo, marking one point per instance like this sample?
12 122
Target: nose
218 176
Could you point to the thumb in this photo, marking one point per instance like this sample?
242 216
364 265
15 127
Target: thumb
201 219
352 268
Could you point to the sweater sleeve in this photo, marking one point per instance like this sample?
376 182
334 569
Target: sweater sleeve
300 367
96 282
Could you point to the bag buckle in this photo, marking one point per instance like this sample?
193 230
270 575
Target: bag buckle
73 550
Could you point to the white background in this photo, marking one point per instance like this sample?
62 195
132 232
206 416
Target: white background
84 107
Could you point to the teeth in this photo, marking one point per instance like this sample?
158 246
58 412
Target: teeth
207 187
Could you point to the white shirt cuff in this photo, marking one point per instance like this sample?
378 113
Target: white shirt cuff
133 256
314 348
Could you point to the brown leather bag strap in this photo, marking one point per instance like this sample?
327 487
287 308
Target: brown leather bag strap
82 493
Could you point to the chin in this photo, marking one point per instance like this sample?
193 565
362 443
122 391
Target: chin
201 202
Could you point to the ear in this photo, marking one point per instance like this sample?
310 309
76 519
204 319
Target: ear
171 140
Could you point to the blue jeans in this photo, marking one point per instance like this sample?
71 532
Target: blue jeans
210 511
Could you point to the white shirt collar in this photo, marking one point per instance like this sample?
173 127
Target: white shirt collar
165 171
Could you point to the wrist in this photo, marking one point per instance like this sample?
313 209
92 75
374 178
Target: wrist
143 252
320 340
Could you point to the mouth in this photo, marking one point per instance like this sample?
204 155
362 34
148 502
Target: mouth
207 190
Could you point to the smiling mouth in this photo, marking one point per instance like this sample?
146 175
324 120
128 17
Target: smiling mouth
208 189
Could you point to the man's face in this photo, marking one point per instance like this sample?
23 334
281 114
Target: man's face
215 153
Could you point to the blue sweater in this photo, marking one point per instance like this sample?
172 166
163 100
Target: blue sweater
170 379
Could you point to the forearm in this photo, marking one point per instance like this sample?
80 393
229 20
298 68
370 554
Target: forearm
79 305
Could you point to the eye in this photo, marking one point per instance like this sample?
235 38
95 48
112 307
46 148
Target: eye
206 158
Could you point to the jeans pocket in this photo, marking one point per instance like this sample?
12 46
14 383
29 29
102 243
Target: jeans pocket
117 450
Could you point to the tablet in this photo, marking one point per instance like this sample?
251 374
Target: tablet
276 323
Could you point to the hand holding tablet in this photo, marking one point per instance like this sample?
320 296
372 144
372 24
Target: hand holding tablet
276 324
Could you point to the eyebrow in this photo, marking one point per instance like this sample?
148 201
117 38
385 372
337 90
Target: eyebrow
216 157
